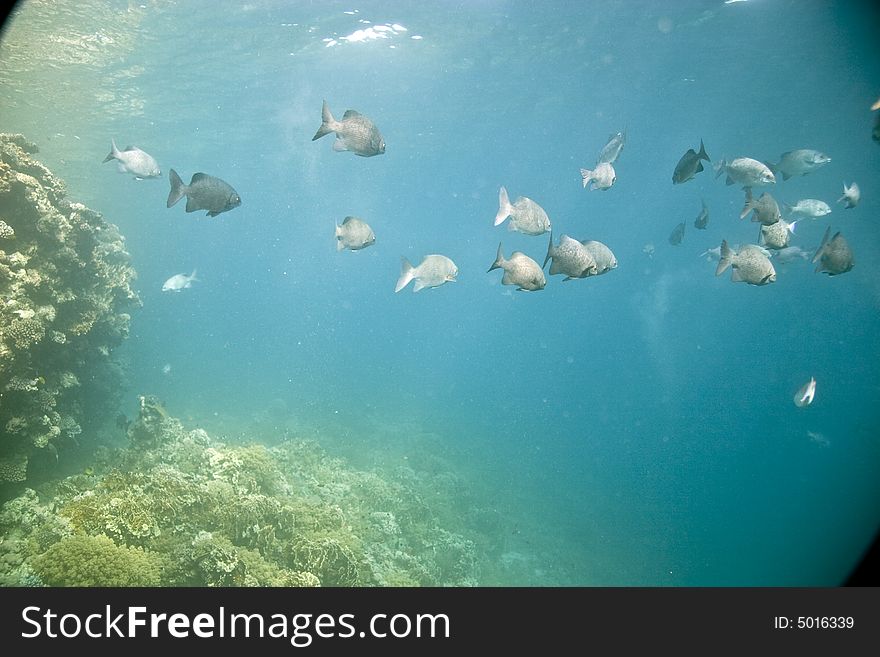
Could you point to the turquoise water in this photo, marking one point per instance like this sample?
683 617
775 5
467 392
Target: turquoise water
635 428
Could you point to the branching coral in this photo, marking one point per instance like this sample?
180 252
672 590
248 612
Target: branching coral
82 560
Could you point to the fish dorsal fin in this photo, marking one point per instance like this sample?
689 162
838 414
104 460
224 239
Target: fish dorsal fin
350 114
198 176
130 148
346 220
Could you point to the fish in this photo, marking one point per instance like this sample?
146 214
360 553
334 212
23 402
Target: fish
745 171
804 397
834 256
750 265
602 177
571 258
179 282
689 165
354 234
799 162
648 249
776 236
611 151
204 192
604 257
790 254
809 208
765 207
355 133
702 219
519 270
134 161
875 132
677 234
433 271
851 196
526 216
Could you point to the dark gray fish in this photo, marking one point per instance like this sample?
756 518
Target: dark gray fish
834 256
677 234
204 192
702 219
765 207
519 270
875 133
355 133
689 165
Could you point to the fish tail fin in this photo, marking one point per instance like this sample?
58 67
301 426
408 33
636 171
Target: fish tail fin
842 198
337 234
407 273
549 250
774 167
192 276
178 189
726 258
114 152
586 176
750 204
791 227
702 155
499 259
327 122
821 250
504 206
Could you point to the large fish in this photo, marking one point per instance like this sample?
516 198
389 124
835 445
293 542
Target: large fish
604 257
433 271
689 165
355 133
809 208
571 258
526 216
799 162
519 270
765 207
602 177
134 161
776 236
834 256
750 265
745 171
354 234
204 192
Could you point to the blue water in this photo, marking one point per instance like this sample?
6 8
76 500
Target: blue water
638 426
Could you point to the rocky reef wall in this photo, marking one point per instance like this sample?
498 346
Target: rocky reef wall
65 292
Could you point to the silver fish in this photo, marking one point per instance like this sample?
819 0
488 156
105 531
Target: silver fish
746 172
776 236
799 162
179 282
604 257
355 133
571 258
765 207
519 270
677 234
804 397
354 234
204 192
834 256
790 254
602 177
702 219
526 216
611 151
750 265
689 165
851 196
433 271
134 161
809 208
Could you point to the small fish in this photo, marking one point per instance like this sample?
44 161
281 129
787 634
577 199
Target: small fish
746 172
702 219
166 369
519 270
776 236
765 207
354 234
834 256
677 234
818 438
875 133
808 208
604 257
602 177
790 254
611 151
804 397
851 196
355 133
134 161
204 192
433 271
799 162
571 258
648 249
179 282
750 265
526 216
689 165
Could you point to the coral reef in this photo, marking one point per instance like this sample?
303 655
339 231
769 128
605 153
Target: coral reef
177 507
65 282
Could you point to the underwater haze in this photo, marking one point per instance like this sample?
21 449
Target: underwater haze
633 428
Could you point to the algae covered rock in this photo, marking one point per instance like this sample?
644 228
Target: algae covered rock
66 286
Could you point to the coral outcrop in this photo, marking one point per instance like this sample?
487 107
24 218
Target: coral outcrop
65 286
